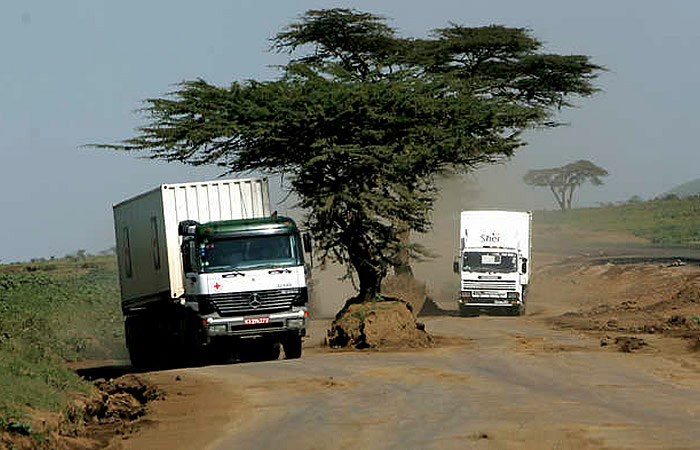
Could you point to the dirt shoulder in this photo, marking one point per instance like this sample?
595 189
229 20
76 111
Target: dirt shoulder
195 411
631 296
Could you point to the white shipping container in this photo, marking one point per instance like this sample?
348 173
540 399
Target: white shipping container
496 229
146 229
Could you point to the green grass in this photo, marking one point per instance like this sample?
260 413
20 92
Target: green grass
51 313
668 222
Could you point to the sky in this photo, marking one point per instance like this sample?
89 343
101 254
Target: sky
74 73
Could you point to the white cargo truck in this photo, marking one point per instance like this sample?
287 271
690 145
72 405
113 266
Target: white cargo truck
493 261
206 266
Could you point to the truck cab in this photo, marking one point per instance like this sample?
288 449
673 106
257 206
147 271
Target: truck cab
247 279
491 277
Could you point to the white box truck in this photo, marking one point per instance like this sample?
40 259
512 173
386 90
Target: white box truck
206 266
493 261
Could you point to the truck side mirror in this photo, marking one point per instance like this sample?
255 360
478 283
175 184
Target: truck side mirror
455 266
186 249
187 227
524 265
306 240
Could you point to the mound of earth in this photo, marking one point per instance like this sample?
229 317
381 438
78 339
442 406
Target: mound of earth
633 298
389 323
92 422
626 344
406 288
119 400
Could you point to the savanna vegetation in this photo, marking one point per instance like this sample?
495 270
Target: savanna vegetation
53 312
667 221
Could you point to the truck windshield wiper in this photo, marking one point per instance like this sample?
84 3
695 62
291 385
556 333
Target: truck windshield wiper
236 272
271 271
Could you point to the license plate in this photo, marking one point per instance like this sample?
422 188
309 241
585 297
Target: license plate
488 294
256 320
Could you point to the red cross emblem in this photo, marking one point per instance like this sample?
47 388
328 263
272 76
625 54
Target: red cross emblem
217 286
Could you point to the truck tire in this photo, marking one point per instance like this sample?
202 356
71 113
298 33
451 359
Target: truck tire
522 309
523 305
292 347
138 357
467 312
138 353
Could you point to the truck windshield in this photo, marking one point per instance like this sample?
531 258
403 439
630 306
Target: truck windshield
226 254
489 262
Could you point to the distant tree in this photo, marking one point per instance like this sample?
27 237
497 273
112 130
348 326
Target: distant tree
362 122
80 254
562 181
109 251
669 197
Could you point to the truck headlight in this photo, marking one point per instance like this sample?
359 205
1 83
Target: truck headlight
295 323
218 328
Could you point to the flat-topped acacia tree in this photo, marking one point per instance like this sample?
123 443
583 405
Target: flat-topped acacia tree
361 121
563 181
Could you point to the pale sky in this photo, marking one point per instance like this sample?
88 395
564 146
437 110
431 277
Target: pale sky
74 72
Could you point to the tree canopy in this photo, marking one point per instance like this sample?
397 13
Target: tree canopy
562 181
362 120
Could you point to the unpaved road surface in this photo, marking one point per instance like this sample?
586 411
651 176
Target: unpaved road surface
534 382
511 385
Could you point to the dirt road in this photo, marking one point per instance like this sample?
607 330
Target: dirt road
511 384
491 383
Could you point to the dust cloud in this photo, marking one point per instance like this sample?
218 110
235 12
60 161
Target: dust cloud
457 193
486 190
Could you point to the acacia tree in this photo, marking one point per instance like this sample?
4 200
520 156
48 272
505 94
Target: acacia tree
361 121
562 181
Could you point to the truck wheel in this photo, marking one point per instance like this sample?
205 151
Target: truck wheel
138 356
292 347
523 305
135 343
467 312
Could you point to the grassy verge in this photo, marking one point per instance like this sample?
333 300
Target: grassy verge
50 313
664 222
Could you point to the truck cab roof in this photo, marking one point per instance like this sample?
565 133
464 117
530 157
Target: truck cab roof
265 225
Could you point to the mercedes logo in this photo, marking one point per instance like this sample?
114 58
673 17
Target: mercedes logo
254 301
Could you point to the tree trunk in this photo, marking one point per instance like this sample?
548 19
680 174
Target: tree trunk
370 281
571 195
370 274
403 265
370 285
559 196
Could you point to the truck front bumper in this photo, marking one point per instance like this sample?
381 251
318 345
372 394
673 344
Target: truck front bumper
486 302
257 325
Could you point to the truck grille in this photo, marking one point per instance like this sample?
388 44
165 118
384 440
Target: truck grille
487 285
241 303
